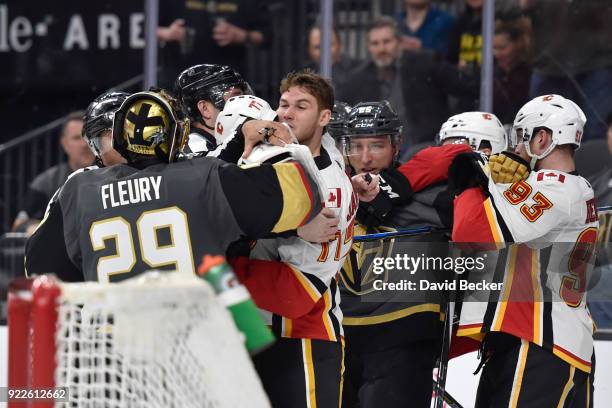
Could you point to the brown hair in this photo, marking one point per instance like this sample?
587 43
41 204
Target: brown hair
384 22
314 84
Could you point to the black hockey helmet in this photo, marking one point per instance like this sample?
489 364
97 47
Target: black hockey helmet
337 123
208 82
373 119
99 118
150 125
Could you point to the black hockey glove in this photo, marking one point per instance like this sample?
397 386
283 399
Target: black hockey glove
466 171
395 186
394 190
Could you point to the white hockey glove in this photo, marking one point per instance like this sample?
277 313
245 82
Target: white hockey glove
265 153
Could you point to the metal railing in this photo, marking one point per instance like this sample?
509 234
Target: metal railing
22 159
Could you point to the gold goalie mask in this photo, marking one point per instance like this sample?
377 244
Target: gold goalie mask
148 125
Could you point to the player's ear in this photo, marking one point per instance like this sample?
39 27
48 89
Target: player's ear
396 149
545 138
324 117
205 109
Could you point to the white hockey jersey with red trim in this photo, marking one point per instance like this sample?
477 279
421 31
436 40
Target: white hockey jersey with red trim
316 266
552 218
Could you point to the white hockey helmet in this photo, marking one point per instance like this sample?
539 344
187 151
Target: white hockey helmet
238 109
561 116
476 127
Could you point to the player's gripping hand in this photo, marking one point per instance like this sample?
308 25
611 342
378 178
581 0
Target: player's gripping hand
366 186
321 228
466 171
508 167
267 131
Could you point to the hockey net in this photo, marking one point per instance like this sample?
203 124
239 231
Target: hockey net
156 341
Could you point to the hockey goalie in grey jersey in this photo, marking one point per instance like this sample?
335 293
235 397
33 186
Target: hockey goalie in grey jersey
153 212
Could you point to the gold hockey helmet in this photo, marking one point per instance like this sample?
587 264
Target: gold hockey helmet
150 124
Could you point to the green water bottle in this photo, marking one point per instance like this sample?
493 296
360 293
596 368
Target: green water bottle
216 271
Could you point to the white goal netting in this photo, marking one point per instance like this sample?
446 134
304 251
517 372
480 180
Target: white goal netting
158 341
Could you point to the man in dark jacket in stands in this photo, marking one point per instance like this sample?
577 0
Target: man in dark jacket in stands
416 83
42 188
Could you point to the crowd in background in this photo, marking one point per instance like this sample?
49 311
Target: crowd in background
427 61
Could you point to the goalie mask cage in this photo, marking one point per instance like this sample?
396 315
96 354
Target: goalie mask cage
154 341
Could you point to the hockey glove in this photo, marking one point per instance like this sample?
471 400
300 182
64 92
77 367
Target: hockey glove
466 171
395 186
394 190
507 167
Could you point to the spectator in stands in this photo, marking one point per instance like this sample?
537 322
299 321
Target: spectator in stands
424 27
572 55
417 84
465 42
512 73
45 184
342 64
213 32
465 47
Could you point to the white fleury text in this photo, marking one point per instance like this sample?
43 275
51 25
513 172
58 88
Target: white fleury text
132 191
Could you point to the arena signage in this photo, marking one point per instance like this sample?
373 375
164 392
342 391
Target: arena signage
69 45
18 32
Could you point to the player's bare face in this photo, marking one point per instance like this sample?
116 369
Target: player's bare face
109 155
383 46
300 111
371 154
522 151
210 112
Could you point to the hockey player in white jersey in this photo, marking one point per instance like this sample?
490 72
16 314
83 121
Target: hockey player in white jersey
482 131
302 307
537 332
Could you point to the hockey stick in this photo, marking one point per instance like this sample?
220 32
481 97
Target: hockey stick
443 360
450 401
421 231
399 233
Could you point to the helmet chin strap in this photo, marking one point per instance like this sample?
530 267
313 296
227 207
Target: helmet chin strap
536 157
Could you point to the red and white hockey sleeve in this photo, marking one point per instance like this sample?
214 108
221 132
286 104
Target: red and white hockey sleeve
278 287
430 165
